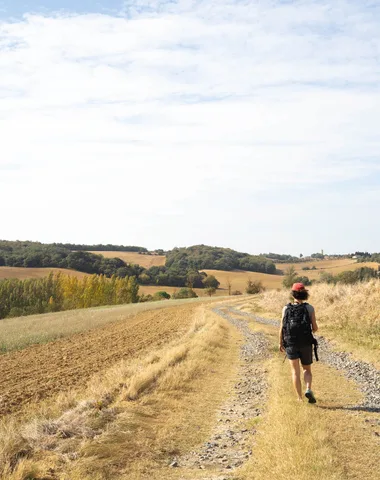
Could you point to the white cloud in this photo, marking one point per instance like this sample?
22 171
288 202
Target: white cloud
121 125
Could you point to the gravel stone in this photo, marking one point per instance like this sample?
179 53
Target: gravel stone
226 448
364 374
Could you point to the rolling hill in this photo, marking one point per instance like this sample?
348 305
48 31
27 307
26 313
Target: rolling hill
237 278
22 273
144 260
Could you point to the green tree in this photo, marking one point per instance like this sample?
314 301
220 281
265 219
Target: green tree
303 279
185 293
290 277
211 282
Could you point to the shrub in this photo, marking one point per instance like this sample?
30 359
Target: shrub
146 298
161 296
254 287
236 292
210 291
211 282
185 293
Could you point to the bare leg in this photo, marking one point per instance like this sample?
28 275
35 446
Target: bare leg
307 375
296 376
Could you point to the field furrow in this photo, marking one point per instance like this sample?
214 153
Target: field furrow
40 371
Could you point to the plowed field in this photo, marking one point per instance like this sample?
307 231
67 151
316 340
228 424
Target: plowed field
41 371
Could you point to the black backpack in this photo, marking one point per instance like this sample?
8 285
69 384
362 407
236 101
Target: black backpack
296 328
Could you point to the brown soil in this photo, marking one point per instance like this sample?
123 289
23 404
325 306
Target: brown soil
41 371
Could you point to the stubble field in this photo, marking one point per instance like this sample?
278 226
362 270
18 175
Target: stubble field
145 261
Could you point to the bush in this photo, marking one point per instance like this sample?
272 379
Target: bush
305 280
211 282
146 298
254 287
161 296
185 293
236 292
210 291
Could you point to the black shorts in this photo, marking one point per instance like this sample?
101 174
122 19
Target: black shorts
305 354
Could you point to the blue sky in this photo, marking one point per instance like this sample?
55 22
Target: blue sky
252 125
18 8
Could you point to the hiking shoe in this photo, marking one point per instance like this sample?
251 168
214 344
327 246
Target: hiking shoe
310 396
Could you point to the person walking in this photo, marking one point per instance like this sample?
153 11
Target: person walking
296 338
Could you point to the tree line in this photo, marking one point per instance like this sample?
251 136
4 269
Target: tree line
347 277
58 292
368 257
200 257
38 255
101 248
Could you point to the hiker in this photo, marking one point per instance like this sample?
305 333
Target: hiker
296 338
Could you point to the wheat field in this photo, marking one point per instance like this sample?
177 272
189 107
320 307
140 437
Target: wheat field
25 273
145 261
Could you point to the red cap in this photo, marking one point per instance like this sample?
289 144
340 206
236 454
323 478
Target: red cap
298 287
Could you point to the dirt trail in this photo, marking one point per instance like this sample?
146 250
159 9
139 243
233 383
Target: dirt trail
41 371
230 444
364 374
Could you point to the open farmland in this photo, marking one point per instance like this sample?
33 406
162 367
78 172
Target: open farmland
329 266
18 333
195 386
25 273
145 261
40 371
239 278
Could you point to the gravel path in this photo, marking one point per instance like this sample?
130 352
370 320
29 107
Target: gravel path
364 374
229 445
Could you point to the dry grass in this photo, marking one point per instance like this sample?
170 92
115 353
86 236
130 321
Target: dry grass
349 314
146 261
24 273
239 278
301 441
329 266
344 263
18 333
322 441
102 434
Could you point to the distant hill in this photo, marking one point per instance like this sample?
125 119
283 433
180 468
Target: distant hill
137 258
202 257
